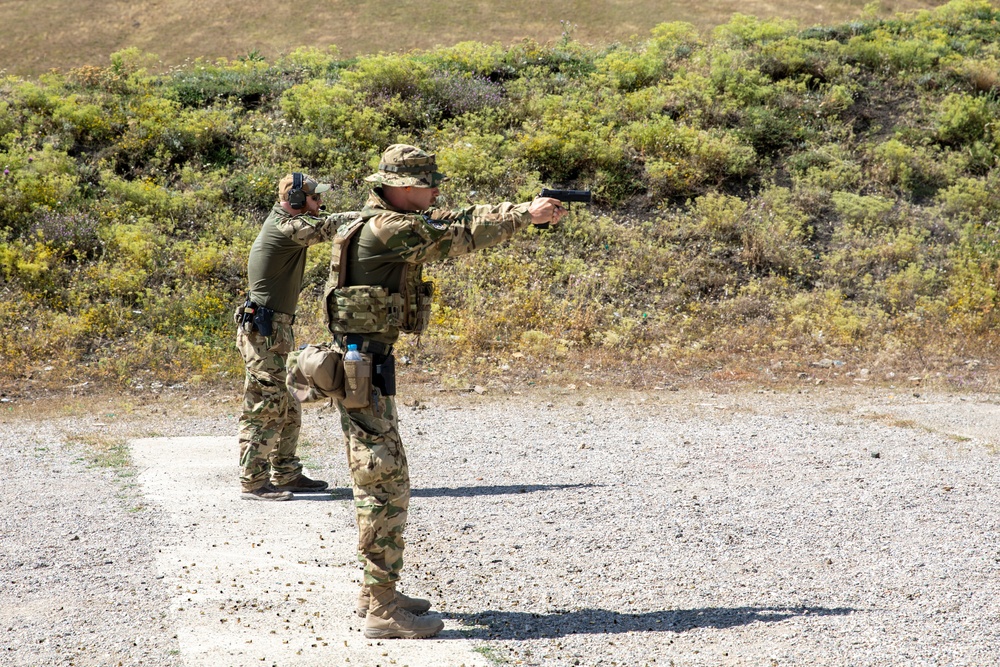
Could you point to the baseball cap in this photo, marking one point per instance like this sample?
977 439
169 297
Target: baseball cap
309 186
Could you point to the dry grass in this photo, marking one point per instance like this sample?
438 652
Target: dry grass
36 37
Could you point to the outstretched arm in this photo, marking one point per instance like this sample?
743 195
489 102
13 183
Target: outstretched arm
308 230
437 234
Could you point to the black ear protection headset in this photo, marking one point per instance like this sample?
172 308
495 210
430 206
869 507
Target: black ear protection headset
297 196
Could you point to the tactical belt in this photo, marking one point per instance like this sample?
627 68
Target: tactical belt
365 345
283 318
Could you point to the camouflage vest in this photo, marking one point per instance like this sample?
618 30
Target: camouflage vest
373 309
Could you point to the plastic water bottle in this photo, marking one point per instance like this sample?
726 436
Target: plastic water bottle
352 353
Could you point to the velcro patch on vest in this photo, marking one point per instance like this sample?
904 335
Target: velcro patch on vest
439 225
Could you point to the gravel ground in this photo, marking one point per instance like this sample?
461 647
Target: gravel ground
835 527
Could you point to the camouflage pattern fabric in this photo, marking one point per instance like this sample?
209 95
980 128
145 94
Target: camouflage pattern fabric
389 252
381 481
404 166
269 424
271 419
307 230
393 246
440 233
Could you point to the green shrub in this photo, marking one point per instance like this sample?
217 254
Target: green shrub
829 167
479 164
773 235
761 193
744 31
386 76
567 142
335 120
865 214
675 42
248 82
627 70
918 170
982 74
963 119
35 182
309 62
83 121
971 199
973 291
905 289
682 161
795 57
487 60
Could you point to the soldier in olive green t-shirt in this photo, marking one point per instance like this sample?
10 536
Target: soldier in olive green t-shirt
271 419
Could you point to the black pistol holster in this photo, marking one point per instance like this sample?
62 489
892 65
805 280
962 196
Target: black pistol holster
385 375
262 320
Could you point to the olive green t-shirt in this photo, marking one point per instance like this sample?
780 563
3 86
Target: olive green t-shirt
277 261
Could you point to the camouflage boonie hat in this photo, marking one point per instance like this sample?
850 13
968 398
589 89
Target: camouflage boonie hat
404 166
309 186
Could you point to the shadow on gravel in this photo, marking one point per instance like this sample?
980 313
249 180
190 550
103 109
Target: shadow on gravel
456 492
468 491
523 625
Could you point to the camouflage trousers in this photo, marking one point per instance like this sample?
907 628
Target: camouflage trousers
271 419
381 481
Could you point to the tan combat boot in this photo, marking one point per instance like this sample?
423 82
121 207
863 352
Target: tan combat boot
266 492
387 620
412 605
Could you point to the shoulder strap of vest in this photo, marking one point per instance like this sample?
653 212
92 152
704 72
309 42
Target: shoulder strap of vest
341 242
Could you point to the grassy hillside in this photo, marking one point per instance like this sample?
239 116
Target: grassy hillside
38 36
766 197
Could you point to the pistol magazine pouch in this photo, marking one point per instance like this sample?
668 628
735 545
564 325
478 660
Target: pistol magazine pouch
417 301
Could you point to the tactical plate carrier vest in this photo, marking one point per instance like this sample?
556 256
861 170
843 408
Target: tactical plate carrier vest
374 309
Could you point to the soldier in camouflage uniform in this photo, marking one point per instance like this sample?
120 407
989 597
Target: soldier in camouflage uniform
376 291
271 418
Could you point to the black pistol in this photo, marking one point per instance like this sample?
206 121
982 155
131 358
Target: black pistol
566 197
